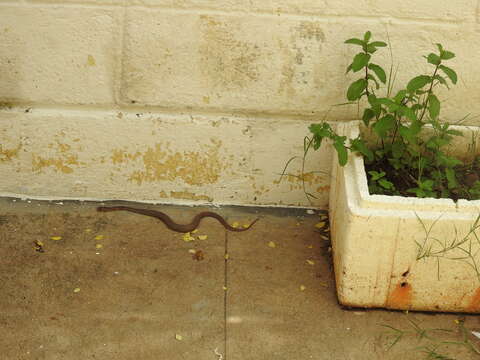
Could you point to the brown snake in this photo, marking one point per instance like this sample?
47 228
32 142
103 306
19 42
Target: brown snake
172 225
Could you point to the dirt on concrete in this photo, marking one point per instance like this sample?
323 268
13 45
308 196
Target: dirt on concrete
78 284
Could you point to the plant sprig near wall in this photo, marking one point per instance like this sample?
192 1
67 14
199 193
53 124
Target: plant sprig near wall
405 159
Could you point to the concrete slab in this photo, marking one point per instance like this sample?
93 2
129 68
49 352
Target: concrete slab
144 288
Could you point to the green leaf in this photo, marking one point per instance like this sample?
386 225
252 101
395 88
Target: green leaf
367 36
341 151
383 125
451 178
372 78
379 72
452 75
447 55
441 80
433 106
358 145
355 41
398 149
360 61
355 90
371 49
348 69
409 113
400 96
418 82
433 59
320 132
376 175
378 43
368 114
385 184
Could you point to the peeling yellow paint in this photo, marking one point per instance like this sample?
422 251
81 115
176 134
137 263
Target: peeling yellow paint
9 154
194 168
63 161
61 164
185 195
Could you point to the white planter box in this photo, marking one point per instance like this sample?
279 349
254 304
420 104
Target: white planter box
378 240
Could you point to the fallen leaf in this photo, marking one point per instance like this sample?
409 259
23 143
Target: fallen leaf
99 237
323 284
320 225
224 288
56 238
245 226
202 237
76 290
227 256
310 246
302 288
98 246
192 251
198 255
88 230
187 237
235 224
272 244
476 333
310 262
39 243
178 337
194 231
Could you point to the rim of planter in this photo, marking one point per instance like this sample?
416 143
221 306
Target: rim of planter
356 186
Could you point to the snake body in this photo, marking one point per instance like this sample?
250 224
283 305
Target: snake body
172 225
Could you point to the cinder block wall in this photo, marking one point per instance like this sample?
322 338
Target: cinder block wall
189 101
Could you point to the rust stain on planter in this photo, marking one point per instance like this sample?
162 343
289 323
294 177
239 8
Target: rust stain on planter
401 296
474 305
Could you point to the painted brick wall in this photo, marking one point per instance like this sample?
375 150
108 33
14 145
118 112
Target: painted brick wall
133 99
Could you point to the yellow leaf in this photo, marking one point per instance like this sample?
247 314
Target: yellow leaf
323 284
39 243
99 237
272 244
320 225
302 288
56 238
99 246
310 262
235 224
202 237
178 337
194 231
192 251
187 237
225 288
310 246
227 256
245 226
76 290
88 230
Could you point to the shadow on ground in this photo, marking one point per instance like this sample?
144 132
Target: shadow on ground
77 284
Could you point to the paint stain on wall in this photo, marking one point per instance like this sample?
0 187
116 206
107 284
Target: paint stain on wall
401 296
7 154
63 160
158 164
186 195
300 55
227 62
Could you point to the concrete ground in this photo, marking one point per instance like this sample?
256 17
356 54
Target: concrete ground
77 284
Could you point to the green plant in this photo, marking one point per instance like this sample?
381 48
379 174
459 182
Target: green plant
409 152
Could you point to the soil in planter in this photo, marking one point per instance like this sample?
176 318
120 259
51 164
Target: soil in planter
466 184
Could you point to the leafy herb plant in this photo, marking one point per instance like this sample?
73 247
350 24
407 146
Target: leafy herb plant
409 154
